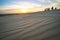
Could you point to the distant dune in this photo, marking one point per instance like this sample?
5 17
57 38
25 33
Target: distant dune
47 12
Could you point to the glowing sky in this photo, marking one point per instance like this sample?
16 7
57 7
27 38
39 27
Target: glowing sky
33 4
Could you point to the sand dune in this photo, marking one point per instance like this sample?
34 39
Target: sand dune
35 26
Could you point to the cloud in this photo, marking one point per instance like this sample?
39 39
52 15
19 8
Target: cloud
23 5
44 0
35 6
58 0
57 5
54 3
15 6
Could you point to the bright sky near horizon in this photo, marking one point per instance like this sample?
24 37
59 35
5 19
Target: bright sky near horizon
34 4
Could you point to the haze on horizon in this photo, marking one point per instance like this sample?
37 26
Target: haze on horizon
17 6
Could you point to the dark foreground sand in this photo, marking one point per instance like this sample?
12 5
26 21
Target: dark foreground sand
36 26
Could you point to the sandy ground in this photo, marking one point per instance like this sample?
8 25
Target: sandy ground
36 26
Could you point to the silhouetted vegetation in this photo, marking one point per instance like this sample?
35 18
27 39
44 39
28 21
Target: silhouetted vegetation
47 9
52 8
55 8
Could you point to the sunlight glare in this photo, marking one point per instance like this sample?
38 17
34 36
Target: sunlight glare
24 10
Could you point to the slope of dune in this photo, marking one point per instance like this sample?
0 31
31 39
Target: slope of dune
34 26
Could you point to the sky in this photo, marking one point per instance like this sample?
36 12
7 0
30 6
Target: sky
36 5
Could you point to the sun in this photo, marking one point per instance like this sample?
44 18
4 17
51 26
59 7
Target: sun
24 10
